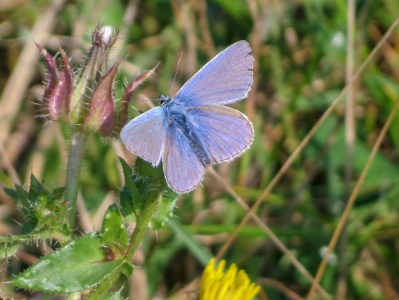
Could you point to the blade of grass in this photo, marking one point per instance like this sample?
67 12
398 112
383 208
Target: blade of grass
304 142
279 286
351 201
350 136
22 74
267 230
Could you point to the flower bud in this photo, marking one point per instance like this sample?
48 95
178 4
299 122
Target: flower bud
59 86
129 92
91 72
86 100
101 115
59 102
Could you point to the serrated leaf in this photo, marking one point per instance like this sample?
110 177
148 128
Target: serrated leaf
76 267
114 234
29 227
126 268
131 206
45 212
129 181
130 197
7 250
12 193
57 193
145 169
127 208
163 212
23 201
139 188
36 190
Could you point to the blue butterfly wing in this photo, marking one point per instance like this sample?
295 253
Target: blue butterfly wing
225 132
183 170
145 135
225 79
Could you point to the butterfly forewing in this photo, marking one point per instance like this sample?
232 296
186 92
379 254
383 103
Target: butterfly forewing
183 170
225 132
145 135
225 79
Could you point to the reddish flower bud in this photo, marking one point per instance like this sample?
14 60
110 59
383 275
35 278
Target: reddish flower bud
102 115
69 98
59 86
129 92
52 74
91 72
60 98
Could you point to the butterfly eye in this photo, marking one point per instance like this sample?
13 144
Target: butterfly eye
164 99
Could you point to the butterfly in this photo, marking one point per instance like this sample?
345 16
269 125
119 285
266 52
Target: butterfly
195 129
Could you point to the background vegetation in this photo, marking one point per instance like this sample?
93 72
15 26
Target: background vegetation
302 65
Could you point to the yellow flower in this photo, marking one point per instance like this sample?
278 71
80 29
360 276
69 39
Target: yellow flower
231 285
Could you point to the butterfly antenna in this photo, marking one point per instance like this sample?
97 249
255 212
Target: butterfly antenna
177 68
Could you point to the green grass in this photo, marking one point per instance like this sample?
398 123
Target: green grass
301 57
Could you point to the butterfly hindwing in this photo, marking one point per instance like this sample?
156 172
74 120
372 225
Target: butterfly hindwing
182 168
225 132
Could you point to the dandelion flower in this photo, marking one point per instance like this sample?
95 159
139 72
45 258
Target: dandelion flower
234 284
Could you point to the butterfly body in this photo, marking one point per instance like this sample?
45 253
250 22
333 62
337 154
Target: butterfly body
179 118
195 129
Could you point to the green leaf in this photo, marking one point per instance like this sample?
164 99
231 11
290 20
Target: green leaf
23 201
44 211
131 187
57 193
75 267
36 190
139 188
145 169
12 193
29 227
126 268
164 211
114 234
8 250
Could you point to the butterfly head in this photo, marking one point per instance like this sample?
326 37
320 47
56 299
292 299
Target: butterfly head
164 99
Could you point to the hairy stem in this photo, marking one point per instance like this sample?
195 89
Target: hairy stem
148 210
75 158
143 220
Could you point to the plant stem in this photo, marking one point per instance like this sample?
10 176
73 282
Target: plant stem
141 226
147 211
75 158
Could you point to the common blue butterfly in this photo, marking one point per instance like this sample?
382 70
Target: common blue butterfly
195 130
